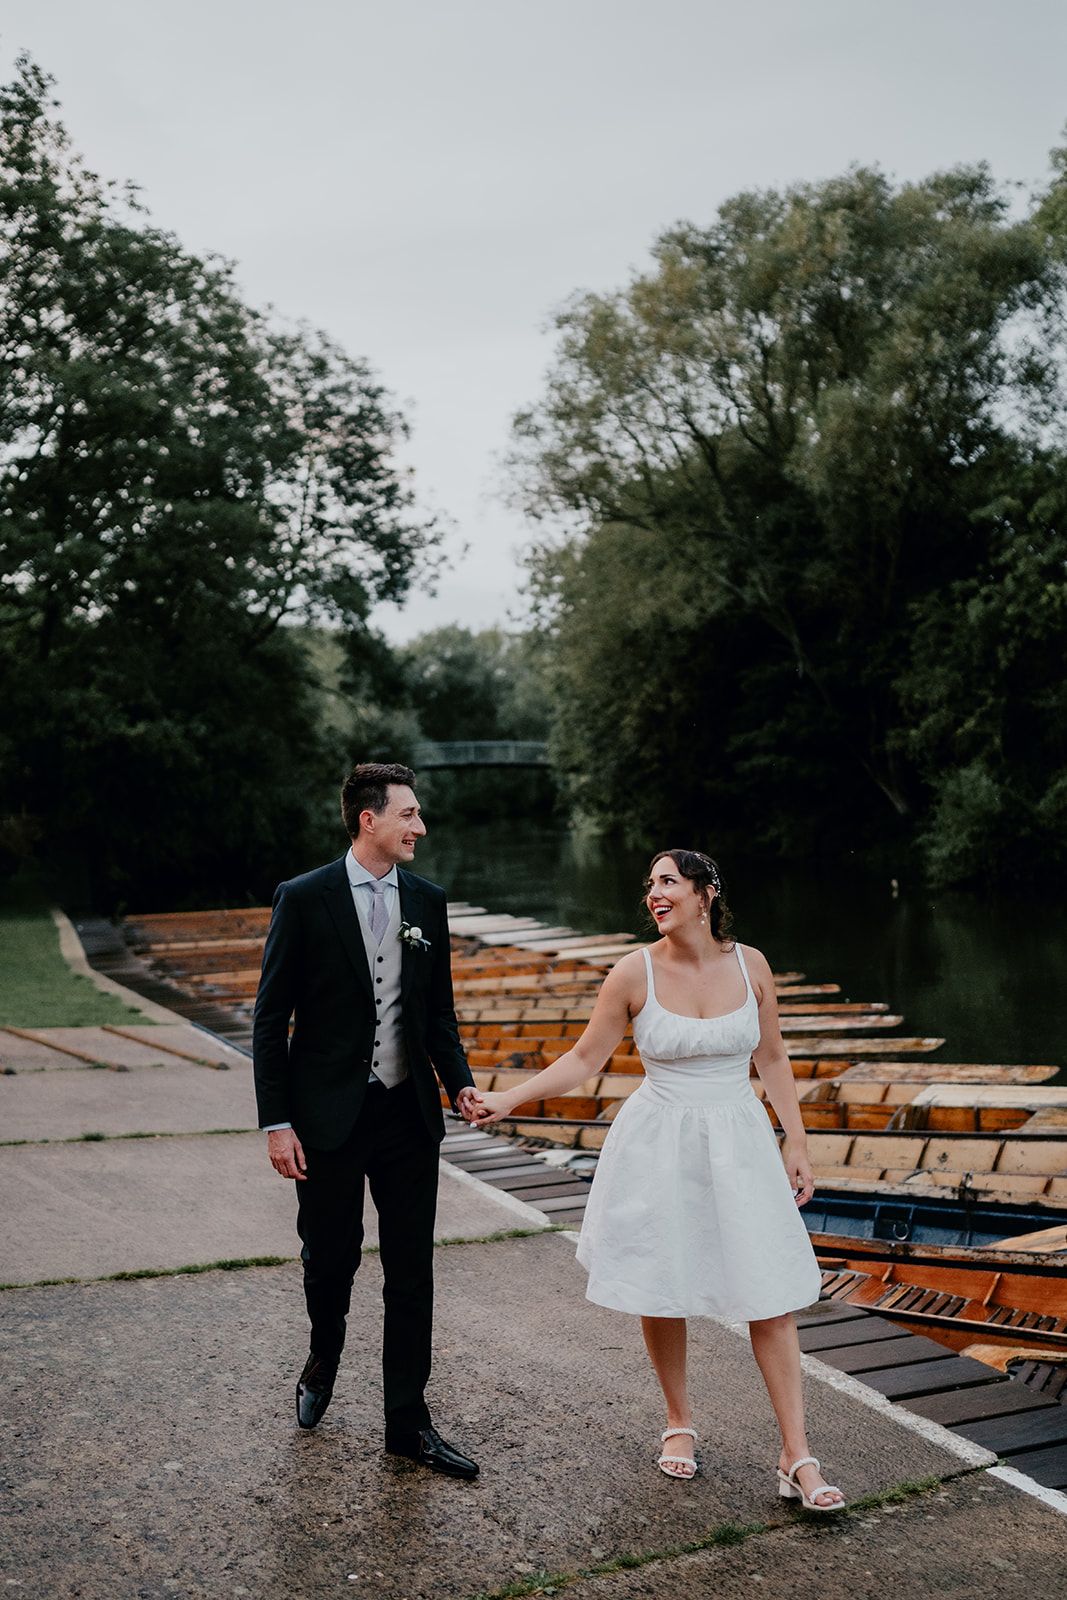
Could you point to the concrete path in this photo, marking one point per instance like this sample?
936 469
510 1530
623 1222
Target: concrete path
136 1045
149 1447
158 1416
171 1097
135 1205
969 1540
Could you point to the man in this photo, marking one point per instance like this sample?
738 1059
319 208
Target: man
358 954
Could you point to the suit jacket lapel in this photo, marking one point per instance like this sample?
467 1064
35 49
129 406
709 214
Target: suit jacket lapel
410 912
338 898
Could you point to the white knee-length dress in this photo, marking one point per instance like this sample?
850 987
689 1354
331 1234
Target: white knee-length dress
691 1212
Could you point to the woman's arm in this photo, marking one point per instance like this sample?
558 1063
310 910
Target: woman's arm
776 1075
607 1025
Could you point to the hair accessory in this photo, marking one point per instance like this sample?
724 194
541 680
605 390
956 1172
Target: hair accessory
713 872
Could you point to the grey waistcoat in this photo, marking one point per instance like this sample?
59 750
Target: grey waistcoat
389 1062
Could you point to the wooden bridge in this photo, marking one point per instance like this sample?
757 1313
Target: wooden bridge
430 756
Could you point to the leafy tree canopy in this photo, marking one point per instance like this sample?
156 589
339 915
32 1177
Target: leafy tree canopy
179 476
461 684
474 685
777 472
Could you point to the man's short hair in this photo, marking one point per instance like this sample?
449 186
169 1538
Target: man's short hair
367 789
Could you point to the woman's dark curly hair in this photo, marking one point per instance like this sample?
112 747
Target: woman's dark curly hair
702 871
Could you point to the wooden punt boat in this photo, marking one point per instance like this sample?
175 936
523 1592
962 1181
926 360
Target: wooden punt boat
567 942
1001 1108
871 1122
1025 1167
194 927
849 1216
478 923
472 979
917 1073
1014 1166
537 1028
499 974
1001 1297
897 1084
930 1108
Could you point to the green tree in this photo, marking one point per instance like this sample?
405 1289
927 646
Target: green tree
788 433
177 478
460 684
986 701
474 685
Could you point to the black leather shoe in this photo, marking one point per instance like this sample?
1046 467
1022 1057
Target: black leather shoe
314 1391
428 1448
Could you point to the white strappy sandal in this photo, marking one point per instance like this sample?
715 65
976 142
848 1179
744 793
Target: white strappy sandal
678 1461
790 1489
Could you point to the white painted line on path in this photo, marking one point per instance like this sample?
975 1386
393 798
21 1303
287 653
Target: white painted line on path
973 1454
1019 1480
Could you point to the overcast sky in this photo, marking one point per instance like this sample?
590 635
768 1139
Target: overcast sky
428 179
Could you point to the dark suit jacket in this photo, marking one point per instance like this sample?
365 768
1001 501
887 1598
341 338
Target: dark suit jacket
315 970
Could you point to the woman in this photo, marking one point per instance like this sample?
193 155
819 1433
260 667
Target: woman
692 1212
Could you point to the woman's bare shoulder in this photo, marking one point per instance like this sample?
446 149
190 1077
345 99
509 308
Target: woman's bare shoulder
627 977
759 968
632 961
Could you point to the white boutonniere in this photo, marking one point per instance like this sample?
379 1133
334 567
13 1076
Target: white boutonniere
413 936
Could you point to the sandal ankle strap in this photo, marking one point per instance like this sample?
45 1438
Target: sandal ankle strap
670 1432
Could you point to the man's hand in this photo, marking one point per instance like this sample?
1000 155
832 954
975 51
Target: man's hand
286 1154
467 1103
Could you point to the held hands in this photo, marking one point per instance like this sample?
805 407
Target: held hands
798 1169
491 1108
480 1109
467 1103
286 1154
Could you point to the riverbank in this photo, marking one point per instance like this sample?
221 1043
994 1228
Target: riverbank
39 987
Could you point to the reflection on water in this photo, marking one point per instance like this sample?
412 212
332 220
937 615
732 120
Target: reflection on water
985 974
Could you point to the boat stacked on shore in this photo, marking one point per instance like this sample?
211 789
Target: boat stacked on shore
941 1187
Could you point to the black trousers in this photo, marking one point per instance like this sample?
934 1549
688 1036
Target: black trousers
391 1147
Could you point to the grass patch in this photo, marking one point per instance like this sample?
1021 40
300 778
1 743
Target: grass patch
506 1233
726 1533
97 1138
898 1493
235 1264
723 1536
37 988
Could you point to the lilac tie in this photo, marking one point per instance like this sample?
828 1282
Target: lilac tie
379 917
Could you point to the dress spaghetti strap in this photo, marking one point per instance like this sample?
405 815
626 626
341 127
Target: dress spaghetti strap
744 968
646 952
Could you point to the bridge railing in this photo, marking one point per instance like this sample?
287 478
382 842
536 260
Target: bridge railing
480 753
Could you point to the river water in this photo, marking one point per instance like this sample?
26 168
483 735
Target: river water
988 974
